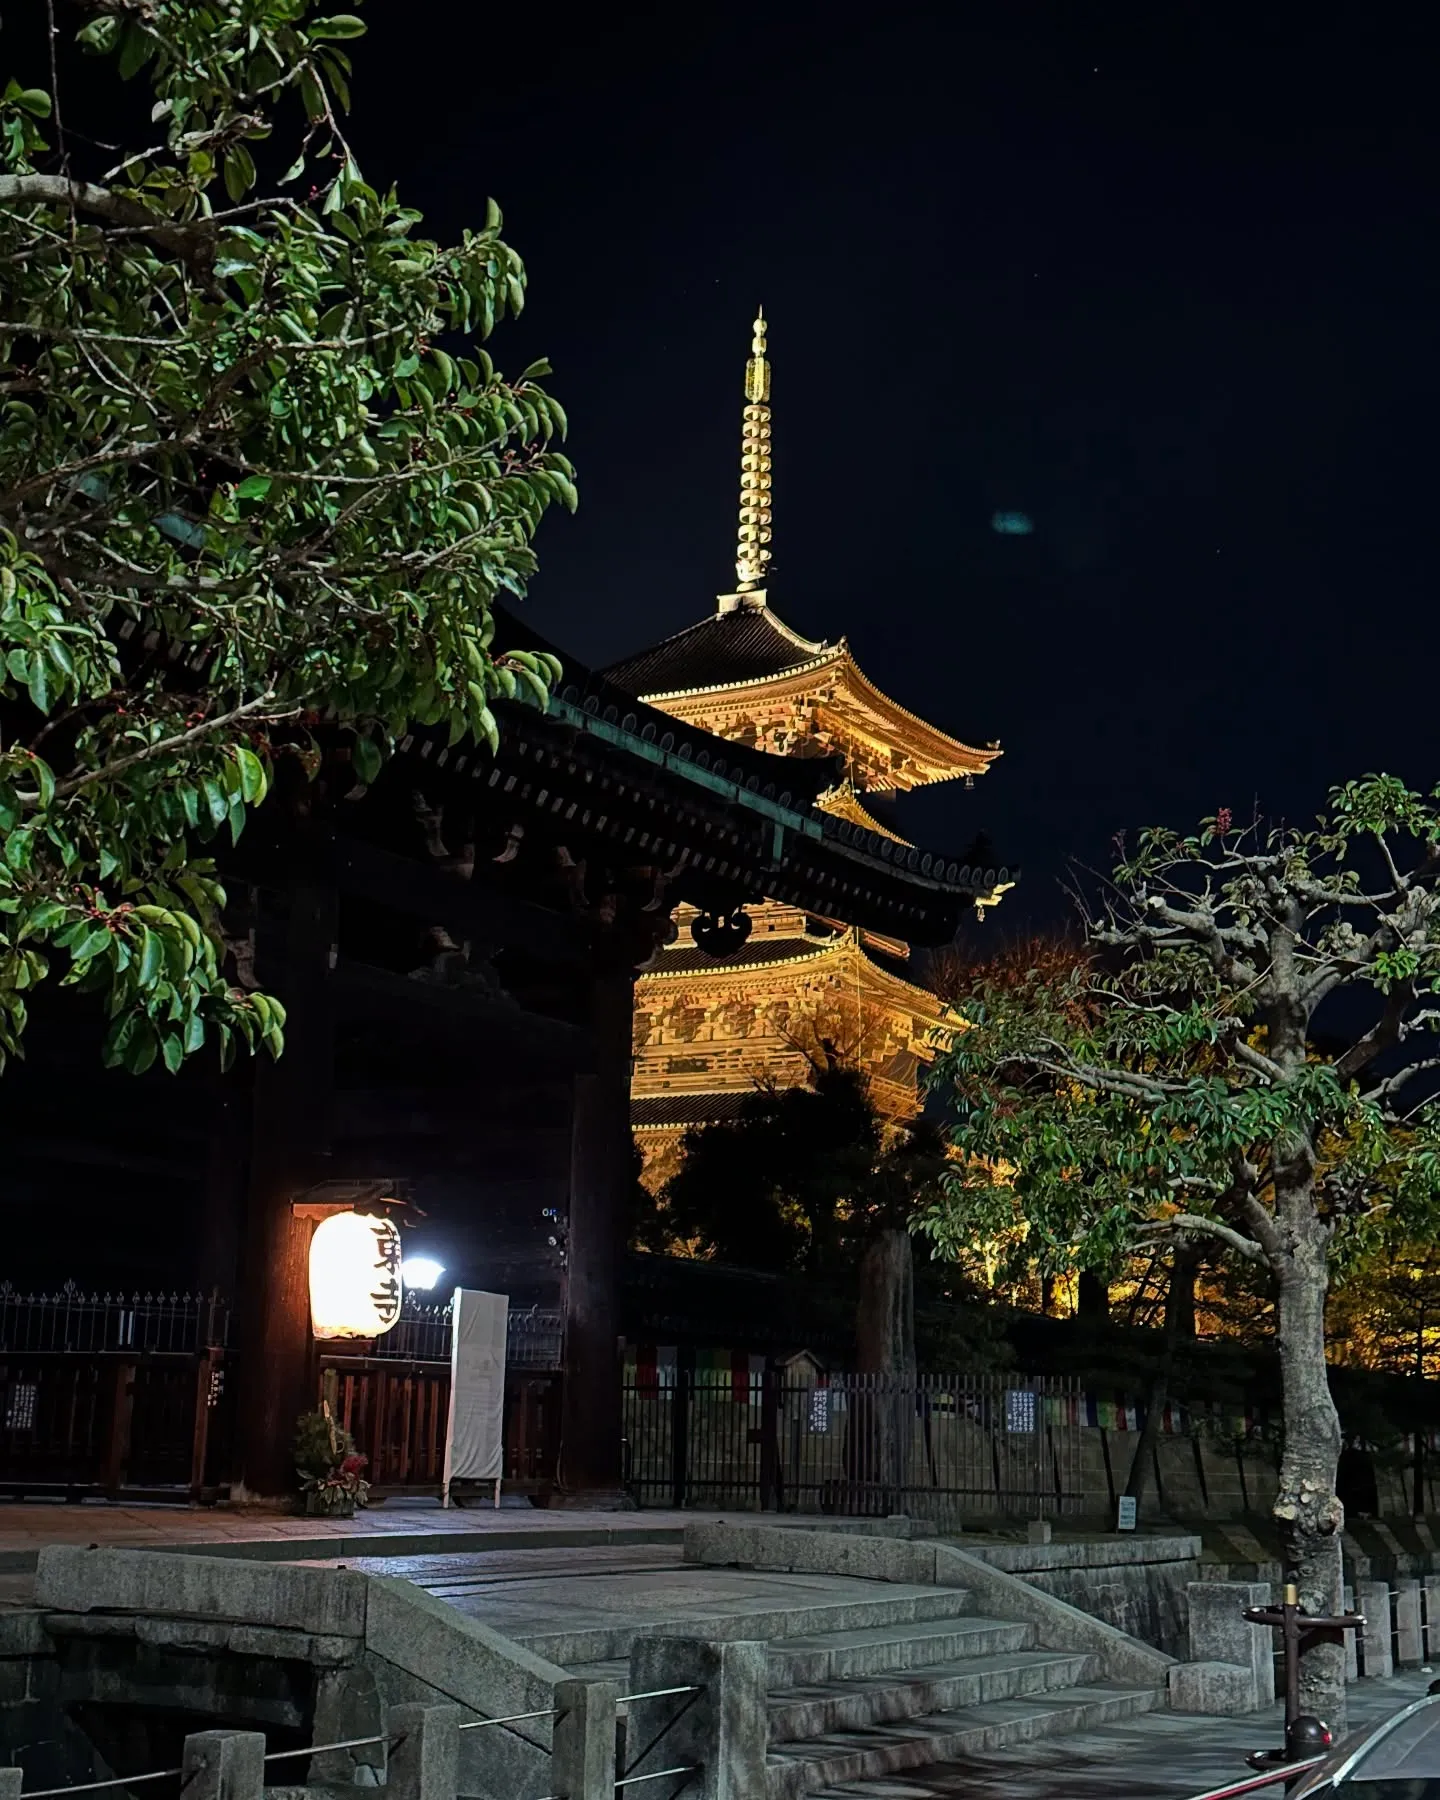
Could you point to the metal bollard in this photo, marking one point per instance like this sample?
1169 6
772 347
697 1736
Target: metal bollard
1298 1632
1305 1739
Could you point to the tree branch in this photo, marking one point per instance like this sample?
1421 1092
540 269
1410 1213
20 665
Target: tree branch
191 243
1195 1225
1222 943
1392 1084
1255 1059
164 745
1105 1081
1383 1035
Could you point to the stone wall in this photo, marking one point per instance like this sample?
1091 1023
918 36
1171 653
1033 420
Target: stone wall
57 1754
1136 1584
125 1653
1189 1477
996 1592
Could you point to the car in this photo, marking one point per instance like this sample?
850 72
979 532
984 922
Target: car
1398 1759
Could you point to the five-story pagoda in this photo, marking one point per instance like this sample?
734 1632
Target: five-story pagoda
800 987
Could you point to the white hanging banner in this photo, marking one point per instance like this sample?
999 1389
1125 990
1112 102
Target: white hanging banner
475 1433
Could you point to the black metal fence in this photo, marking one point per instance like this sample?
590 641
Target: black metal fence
74 1323
533 1340
945 1447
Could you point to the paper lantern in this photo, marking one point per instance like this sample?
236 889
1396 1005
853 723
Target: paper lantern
355 1287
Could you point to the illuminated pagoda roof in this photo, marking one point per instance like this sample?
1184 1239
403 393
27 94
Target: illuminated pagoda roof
844 803
744 663
733 647
598 757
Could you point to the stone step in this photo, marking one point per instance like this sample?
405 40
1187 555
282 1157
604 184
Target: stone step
852 1764
821 1710
892 1604
884 1648
610 1668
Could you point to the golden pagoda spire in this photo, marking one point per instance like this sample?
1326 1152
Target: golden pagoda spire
751 555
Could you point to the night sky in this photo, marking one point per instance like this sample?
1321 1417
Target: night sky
1162 278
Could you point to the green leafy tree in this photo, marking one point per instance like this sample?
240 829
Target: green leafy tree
1174 1089
243 487
1385 1314
802 1178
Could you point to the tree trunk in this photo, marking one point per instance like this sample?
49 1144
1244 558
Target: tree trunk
1179 1311
1307 1509
1092 1296
1419 1468
600 1173
881 1416
885 1317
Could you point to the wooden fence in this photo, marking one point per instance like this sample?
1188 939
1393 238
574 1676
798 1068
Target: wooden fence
127 1396
396 1412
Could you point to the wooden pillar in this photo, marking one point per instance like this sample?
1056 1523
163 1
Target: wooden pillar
227 1174
600 1172
291 1129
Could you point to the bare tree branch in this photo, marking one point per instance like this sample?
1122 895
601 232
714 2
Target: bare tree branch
1383 1035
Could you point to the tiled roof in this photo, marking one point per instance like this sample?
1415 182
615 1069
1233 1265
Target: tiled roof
752 954
794 780
844 803
626 774
687 1109
746 644
896 968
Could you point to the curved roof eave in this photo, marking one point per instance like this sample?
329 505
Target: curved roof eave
826 654
965 759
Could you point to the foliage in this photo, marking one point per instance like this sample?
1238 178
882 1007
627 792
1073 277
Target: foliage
326 1459
958 975
242 485
1249 1061
800 1179
1165 1085
1385 1314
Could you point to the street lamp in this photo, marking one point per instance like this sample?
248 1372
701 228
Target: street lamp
422 1273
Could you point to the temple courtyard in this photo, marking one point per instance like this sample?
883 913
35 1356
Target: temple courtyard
576 1588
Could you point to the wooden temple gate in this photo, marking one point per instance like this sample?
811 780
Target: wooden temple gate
456 944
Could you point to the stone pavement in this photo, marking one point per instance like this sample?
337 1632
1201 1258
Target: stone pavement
1159 1756
544 1596
396 1529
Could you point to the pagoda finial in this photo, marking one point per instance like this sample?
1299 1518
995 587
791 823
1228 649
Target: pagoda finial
751 554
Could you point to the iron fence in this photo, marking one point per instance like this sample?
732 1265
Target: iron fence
73 1322
942 1446
422 1334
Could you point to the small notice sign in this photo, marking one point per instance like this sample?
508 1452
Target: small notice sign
1125 1514
1020 1410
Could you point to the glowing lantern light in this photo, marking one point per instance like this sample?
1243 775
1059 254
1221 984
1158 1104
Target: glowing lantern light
355 1289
